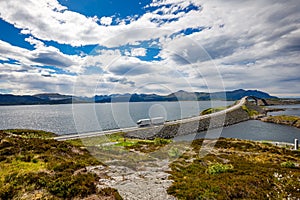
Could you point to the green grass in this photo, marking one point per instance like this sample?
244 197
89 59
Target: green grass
212 110
119 140
174 152
288 164
284 119
250 112
32 165
218 168
98 140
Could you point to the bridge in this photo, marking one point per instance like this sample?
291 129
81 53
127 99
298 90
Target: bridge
189 125
258 101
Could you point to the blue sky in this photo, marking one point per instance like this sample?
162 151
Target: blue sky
115 46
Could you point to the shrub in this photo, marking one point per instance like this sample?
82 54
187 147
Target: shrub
110 192
174 152
161 141
288 164
2 158
219 168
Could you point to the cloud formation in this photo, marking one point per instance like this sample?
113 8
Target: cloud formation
174 44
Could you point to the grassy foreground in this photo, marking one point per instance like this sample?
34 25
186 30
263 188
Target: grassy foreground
234 169
237 169
33 166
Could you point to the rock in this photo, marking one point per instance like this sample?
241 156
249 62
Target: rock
144 183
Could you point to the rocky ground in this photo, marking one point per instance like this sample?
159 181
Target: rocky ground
147 181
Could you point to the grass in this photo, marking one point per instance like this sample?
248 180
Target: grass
218 168
212 110
288 164
250 112
124 151
32 166
284 119
119 140
236 169
37 168
31 133
98 140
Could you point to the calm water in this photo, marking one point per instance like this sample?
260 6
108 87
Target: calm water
66 119
251 130
290 110
256 130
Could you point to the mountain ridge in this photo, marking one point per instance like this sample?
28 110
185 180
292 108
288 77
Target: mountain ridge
56 98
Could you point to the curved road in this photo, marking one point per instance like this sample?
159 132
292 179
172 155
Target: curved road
240 103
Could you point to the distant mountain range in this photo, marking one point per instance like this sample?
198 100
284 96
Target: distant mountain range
55 98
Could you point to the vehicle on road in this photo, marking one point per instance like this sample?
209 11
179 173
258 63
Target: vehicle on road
150 122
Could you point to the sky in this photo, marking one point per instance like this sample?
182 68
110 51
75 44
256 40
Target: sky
99 47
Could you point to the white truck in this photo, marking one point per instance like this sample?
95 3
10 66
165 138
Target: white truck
150 122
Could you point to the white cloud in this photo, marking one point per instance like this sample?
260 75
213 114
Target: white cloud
245 39
33 81
138 52
106 21
48 20
40 56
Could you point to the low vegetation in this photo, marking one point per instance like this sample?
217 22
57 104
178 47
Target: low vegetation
288 164
127 152
25 133
33 166
212 110
283 119
236 169
119 140
218 168
250 112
